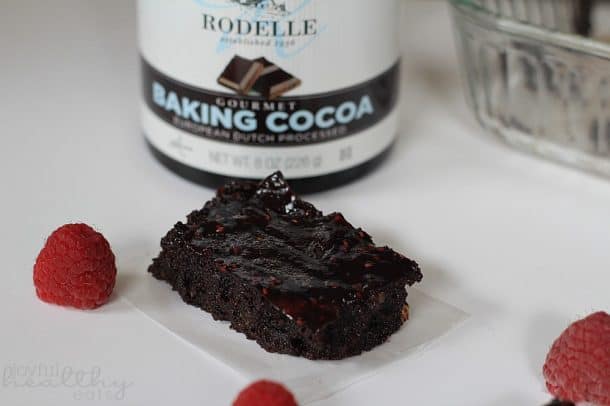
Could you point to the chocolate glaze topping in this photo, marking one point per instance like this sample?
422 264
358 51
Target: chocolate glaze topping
305 263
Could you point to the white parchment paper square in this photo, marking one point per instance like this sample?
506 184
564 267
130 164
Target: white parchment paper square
309 380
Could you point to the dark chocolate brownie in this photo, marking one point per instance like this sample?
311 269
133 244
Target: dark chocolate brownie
296 281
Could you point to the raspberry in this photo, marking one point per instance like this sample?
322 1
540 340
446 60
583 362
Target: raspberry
265 393
75 268
578 366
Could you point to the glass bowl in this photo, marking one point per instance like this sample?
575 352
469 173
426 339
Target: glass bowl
537 74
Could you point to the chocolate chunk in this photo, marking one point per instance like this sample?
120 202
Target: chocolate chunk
274 81
583 15
279 270
268 66
240 74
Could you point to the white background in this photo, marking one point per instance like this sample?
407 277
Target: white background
519 243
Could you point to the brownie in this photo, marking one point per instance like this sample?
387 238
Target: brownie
296 281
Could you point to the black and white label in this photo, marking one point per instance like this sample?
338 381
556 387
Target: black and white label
245 87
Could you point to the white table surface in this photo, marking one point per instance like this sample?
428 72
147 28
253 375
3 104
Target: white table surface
519 243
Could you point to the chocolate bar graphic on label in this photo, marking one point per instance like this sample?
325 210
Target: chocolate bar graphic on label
240 74
268 66
274 81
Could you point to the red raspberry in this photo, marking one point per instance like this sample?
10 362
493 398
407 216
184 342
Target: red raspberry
265 393
75 268
578 366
